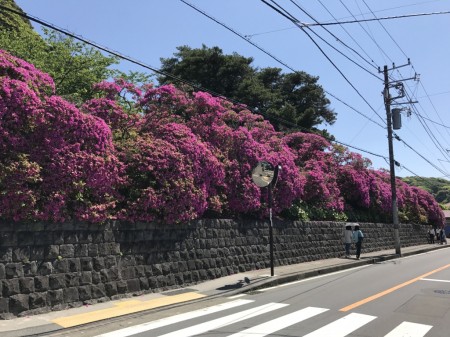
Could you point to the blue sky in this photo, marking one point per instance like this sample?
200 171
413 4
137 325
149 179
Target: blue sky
148 29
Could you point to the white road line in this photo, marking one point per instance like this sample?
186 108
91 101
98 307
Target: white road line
224 321
314 278
280 323
434 280
343 326
409 329
237 296
174 319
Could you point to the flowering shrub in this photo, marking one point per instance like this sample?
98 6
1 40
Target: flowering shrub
314 156
56 162
161 154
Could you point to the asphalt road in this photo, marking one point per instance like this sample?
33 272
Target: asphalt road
403 297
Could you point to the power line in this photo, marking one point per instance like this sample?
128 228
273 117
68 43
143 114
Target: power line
127 58
345 30
374 19
291 18
339 40
271 55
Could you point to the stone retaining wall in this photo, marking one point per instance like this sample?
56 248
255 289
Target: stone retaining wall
47 267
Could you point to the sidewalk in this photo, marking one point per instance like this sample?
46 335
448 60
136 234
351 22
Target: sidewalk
225 286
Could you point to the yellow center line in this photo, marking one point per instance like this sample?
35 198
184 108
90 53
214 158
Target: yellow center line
390 290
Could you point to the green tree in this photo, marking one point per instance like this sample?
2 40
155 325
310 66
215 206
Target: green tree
74 66
295 97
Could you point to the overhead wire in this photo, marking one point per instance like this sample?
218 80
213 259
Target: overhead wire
291 18
427 129
346 31
278 8
156 70
430 134
340 41
134 61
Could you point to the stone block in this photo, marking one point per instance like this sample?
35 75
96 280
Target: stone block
51 252
86 264
85 293
55 297
98 291
4 305
26 285
13 270
72 279
2 271
71 295
96 277
30 269
57 281
93 250
61 266
110 261
38 300
144 284
74 265
41 283
81 250
45 268
128 273
134 285
67 250
109 275
11 287
122 287
86 278
19 303
111 289
99 263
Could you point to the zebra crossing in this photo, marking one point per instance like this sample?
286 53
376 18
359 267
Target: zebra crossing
339 328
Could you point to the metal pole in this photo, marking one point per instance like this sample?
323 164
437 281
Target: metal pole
387 103
271 231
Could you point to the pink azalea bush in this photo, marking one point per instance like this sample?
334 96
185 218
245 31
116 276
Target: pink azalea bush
162 154
55 162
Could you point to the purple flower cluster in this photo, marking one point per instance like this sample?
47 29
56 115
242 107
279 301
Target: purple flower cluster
162 154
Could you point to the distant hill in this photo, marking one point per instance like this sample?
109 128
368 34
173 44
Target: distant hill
438 187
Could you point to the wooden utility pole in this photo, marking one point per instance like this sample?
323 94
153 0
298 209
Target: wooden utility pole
387 104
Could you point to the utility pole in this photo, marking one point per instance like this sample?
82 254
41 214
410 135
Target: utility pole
387 104
388 101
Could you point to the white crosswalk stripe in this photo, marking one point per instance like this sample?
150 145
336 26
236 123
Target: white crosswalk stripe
224 321
343 326
408 329
338 328
133 330
280 323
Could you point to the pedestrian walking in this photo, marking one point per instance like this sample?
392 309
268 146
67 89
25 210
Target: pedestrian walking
358 237
348 232
442 237
431 234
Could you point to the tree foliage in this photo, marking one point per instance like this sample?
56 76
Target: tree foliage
294 97
74 66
